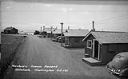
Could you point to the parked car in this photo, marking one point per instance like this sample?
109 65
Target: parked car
60 39
119 65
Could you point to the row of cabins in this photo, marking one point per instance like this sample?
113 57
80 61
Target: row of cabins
100 46
70 38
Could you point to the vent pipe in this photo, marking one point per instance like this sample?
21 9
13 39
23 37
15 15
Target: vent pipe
93 28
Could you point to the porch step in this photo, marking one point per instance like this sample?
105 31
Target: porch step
92 61
86 55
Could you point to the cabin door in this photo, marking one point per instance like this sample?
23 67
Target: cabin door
96 49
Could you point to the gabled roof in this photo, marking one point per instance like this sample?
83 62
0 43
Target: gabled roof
109 37
76 32
57 31
48 30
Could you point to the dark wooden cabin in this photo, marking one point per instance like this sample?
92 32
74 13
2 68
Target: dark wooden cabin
104 45
55 34
73 38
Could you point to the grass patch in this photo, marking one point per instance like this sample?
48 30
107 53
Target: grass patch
8 50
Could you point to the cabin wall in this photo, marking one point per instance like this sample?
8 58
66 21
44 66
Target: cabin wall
105 56
76 42
108 51
66 41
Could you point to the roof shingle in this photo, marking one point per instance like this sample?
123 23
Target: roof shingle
110 37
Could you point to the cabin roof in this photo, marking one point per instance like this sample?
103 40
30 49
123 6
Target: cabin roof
57 31
109 37
76 32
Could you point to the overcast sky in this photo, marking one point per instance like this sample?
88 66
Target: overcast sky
30 16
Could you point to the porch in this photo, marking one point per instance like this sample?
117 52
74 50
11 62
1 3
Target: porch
91 61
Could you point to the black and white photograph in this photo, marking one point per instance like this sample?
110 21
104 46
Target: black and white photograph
63 39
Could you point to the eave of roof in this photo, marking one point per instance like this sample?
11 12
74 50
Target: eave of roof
76 33
108 37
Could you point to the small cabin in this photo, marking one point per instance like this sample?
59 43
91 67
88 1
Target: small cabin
102 46
48 34
55 34
73 38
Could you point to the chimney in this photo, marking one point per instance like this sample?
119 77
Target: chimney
43 28
61 32
62 27
56 28
68 27
40 29
93 28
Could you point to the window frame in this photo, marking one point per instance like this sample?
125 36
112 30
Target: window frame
90 47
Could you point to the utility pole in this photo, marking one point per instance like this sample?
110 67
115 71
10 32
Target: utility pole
41 30
61 32
51 31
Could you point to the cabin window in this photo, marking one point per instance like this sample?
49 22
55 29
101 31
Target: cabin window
89 44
